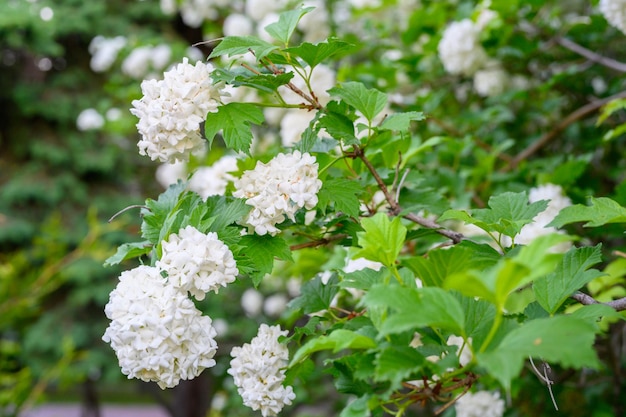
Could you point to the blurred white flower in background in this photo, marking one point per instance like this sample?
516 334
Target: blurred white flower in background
212 180
460 50
104 52
480 404
89 119
614 11
491 81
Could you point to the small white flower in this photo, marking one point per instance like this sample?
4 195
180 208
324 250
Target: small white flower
212 180
491 81
465 354
258 369
197 262
480 404
137 63
614 11
104 52
156 331
460 50
237 24
252 302
171 110
275 305
277 189
89 119
167 174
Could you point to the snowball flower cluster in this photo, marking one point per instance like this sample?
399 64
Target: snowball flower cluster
480 404
171 110
614 11
277 189
258 370
156 331
460 50
197 262
557 202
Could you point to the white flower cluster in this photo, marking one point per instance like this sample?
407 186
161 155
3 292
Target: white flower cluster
144 59
156 331
258 370
480 404
460 49
558 201
614 11
196 262
171 110
277 189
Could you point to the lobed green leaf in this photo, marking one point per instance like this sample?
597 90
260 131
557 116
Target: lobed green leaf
233 119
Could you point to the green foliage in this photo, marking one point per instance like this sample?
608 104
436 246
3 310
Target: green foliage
233 119
602 211
287 22
382 239
369 101
507 214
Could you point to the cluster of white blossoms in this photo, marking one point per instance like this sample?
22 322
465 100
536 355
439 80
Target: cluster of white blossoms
480 404
557 202
171 111
196 262
614 11
258 371
277 189
156 331
491 80
460 50
104 52
213 180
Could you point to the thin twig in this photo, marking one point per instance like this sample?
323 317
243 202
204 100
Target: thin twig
316 243
126 209
545 378
618 305
590 55
571 118
394 207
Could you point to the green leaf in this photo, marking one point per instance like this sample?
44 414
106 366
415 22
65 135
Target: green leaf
363 279
370 102
565 340
570 275
337 120
287 23
129 251
382 239
416 307
309 137
441 263
602 211
226 210
402 121
158 210
507 213
233 119
262 250
397 363
316 54
342 193
357 408
268 83
315 295
239 45
595 312
493 284
338 340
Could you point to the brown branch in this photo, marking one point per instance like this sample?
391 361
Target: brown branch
319 242
590 55
571 118
618 305
394 207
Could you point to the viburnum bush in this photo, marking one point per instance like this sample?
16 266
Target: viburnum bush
417 297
